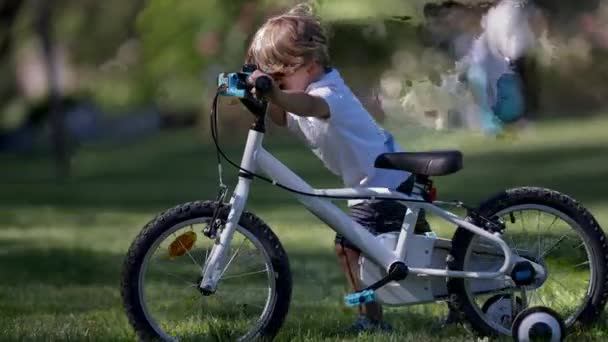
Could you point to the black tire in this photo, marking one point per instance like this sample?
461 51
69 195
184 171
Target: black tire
594 239
193 210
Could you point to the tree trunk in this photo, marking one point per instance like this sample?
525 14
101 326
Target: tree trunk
138 6
59 139
9 9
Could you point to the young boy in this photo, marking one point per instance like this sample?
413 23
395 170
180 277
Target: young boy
309 97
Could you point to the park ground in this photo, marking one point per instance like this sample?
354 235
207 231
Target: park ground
62 244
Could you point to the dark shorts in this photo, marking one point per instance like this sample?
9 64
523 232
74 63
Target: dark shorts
380 217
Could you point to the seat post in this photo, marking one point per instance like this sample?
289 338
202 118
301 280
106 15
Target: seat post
429 193
408 185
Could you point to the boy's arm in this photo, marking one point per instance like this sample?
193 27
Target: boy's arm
300 103
295 102
277 115
277 112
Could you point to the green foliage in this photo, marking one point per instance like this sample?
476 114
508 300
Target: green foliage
179 40
361 9
182 45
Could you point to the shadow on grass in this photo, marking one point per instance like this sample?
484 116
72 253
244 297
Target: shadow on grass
57 266
144 177
73 281
163 173
316 310
577 171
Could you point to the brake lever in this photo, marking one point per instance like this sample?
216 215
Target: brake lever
214 225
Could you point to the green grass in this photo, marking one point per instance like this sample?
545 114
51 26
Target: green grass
62 244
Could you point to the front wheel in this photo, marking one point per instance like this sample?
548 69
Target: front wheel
162 272
550 229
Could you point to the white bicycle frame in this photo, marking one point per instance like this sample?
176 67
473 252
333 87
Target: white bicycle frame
256 158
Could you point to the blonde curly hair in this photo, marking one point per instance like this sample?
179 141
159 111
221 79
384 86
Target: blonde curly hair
288 41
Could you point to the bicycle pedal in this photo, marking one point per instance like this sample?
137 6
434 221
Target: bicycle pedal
360 298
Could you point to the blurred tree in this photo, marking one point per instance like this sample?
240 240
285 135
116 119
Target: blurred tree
9 10
45 29
132 53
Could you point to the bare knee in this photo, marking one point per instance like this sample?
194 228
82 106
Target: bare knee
340 250
346 252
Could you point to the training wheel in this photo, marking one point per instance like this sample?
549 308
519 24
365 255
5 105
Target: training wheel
499 309
538 324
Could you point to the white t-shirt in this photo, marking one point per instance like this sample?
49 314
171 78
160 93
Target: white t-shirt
493 64
349 141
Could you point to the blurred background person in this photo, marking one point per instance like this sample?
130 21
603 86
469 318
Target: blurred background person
491 69
492 79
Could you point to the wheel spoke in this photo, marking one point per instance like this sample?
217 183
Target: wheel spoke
582 264
169 293
204 261
179 277
552 223
534 295
221 296
539 256
513 249
510 239
562 238
540 298
568 271
556 246
502 293
560 284
245 274
538 232
232 258
165 308
188 252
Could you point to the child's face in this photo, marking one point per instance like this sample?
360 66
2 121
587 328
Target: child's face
300 78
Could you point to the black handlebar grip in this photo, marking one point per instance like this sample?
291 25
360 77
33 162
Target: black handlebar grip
263 85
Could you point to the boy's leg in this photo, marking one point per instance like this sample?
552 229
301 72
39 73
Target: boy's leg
382 218
377 217
349 262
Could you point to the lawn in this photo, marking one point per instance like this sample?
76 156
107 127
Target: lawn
62 244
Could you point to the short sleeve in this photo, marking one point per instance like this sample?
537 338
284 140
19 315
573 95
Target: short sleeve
333 98
298 128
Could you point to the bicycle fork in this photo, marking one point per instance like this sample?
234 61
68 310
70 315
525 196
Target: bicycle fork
217 261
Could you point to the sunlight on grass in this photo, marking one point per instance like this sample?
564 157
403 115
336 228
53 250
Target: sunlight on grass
62 245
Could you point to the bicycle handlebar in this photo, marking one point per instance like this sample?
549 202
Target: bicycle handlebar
263 85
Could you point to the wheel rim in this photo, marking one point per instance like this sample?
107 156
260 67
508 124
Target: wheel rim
565 254
174 307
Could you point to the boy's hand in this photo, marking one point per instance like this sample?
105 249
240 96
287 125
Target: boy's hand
254 76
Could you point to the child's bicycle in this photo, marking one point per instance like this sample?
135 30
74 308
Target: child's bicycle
208 270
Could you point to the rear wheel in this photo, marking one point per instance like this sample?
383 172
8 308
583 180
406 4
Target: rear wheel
163 269
545 227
